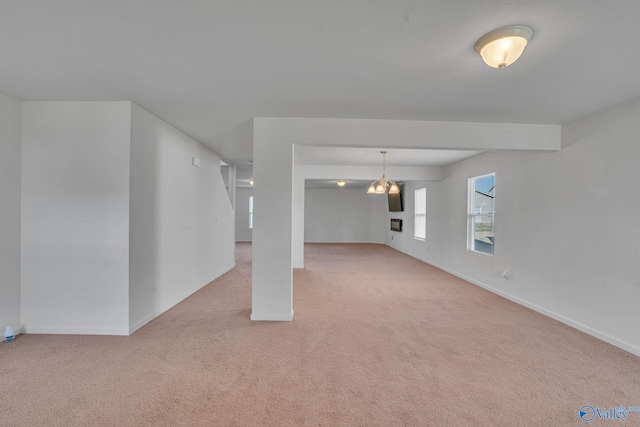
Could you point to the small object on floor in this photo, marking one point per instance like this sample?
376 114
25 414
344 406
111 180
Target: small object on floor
9 335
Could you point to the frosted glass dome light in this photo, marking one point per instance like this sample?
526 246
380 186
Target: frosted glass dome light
502 47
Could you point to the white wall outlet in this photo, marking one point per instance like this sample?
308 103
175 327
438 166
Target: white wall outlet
506 275
195 162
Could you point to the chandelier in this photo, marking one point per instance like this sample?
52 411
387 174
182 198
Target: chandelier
383 185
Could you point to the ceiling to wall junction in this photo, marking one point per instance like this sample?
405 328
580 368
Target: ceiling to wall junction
208 67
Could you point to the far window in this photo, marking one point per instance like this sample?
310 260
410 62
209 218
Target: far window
420 214
250 212
481 213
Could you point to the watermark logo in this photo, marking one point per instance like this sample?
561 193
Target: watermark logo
589 413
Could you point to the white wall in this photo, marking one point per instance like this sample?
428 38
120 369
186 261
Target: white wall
404 241
182 232
343 215
117 224
243 232
10 139
75 217
379 217
566 226
350 172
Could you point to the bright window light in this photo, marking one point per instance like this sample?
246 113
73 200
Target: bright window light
481 214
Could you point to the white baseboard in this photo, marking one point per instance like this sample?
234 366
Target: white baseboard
560 318
272 317
181 298
75 331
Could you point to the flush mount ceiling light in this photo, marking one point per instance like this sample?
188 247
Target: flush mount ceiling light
341 183
502 47
383 185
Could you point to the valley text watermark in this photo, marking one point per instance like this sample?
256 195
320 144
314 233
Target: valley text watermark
589 413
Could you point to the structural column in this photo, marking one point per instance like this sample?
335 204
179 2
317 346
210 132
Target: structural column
272 289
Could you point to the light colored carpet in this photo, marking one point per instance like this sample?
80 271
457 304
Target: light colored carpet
379 339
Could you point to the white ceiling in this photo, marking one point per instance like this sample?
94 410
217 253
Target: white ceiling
208 67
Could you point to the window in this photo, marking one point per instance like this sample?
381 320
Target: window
250 212
480 237
420 214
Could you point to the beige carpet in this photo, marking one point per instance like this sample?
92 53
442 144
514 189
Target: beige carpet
379 339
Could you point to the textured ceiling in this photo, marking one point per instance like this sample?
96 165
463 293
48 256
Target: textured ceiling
208 67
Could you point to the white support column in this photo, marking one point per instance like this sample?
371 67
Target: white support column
272 286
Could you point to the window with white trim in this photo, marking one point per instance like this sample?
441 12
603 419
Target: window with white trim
420 214
250 212
481 214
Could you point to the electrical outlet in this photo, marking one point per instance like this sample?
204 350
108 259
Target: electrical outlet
506 275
